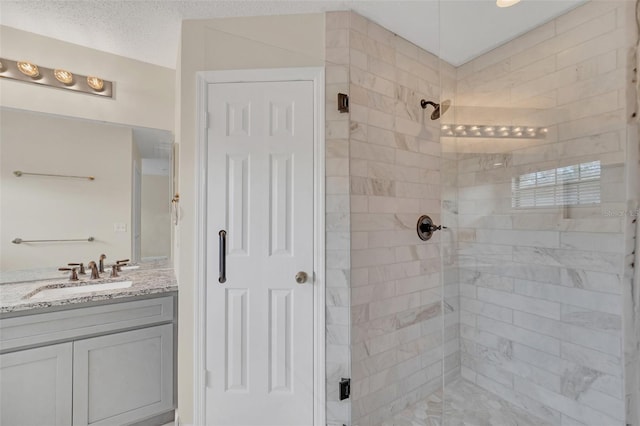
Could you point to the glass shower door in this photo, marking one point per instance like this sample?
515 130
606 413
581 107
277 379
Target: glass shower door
539 200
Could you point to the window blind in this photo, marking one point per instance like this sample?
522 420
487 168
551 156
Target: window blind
578 184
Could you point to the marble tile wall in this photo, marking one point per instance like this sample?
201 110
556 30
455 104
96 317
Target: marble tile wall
541 289
395 176
631 295
337 224
631 300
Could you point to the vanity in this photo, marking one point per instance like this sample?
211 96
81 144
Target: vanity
85 350
83 175
103 356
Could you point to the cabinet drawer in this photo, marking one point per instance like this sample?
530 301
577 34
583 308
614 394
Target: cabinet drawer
44 328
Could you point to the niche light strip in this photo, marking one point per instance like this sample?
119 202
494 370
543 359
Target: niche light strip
59 78
482 131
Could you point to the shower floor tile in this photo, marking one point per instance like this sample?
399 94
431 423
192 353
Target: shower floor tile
465 404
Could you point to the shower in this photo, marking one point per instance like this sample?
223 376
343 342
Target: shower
439 109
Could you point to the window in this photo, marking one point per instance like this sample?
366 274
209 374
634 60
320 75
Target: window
578 184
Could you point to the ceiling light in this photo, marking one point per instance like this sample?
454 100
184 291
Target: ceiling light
506 3
63 76
95 83
28 69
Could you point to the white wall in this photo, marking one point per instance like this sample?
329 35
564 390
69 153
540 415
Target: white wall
216 44
144 93
35 207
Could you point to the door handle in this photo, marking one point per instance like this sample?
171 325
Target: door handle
301 277
222 259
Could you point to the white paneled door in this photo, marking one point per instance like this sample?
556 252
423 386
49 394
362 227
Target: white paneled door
260 231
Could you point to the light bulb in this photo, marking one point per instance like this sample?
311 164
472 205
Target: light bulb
28 69
95 83
63 76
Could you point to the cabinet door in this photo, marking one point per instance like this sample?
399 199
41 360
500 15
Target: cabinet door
123 377
35 386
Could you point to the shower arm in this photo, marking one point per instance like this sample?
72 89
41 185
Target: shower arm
424 103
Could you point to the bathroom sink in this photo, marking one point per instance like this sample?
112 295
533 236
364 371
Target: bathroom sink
45 292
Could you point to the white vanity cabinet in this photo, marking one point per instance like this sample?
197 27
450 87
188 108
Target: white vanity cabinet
123 377
111 364
36 386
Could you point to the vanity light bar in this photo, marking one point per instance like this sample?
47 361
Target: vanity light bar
482 131
60 78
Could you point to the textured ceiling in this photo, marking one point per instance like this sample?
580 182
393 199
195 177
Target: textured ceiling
456 30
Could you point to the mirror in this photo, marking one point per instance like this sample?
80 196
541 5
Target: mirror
72 189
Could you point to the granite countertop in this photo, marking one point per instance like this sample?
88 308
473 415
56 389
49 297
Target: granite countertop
149 278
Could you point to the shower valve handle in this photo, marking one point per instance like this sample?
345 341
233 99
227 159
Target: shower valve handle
426 228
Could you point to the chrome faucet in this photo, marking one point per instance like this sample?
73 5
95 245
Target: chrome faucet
94 270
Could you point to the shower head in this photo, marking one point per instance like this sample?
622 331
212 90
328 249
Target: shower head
439 109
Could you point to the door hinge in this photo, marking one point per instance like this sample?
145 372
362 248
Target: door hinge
345 388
